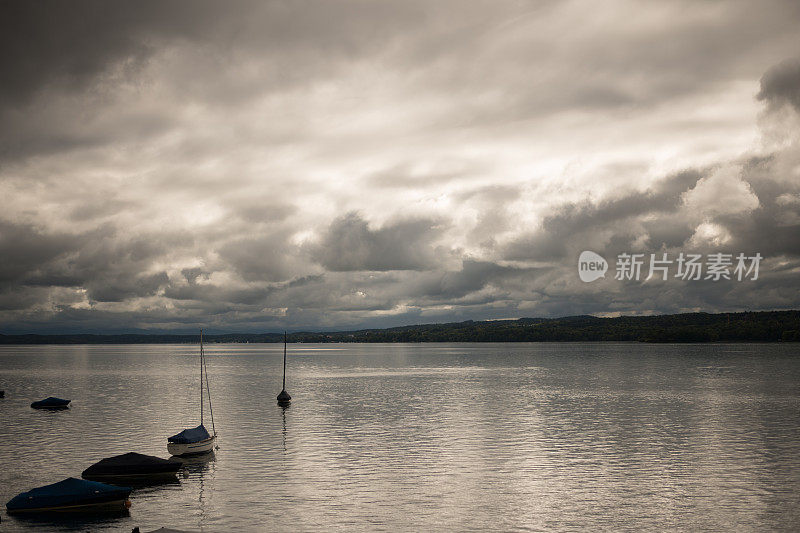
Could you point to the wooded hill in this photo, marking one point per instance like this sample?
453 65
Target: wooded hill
763 326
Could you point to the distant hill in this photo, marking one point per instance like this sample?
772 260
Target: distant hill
762 326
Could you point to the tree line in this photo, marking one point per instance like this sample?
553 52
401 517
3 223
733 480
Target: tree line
761 326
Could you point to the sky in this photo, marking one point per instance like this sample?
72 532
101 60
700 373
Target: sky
260 166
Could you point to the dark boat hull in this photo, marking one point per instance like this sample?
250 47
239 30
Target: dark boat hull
132 466
51 403
70 495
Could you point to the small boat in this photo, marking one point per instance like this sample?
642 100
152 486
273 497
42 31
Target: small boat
196 440
70 494
284 399
51 403
191 441
132 466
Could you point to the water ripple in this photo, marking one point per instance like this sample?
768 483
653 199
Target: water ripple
517 437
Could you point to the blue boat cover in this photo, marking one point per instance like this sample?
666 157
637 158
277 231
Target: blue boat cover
131 464
66 493
51 402
188 436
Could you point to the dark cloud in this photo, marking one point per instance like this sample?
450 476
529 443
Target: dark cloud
122 288
94 262
25 248
773 228
349 244
66 65
51 42
266 257
583 223
781 84
503 282
17 301
191 274
667 232
46 42
665 197
255 165
100 263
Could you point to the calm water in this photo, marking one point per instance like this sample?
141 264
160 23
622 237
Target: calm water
420 437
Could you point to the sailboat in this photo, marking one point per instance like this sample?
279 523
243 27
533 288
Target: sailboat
196 440
283 397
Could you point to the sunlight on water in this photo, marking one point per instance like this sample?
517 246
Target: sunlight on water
415 437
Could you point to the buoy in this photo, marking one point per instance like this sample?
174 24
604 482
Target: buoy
284 398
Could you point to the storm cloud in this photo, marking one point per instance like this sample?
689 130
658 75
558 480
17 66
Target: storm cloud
257 165
781 84
350 245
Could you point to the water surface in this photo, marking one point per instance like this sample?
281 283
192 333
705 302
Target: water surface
409 437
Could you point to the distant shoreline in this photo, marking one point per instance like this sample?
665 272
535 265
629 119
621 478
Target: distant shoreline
759 326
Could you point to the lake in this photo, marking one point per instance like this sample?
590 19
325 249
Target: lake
410 437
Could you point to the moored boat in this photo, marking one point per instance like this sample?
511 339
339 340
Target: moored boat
132 466
196 440
51 403
284 398
71 494
191 441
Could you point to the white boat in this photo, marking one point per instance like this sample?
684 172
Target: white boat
196 440
192 448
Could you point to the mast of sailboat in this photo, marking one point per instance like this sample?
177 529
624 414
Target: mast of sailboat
208 393
201 376
284 398
284 361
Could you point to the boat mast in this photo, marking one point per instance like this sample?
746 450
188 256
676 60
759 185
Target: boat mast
283 397
201 376
284 360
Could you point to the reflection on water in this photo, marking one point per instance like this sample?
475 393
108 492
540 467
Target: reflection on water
283 409
145 485
197 468
71 521
196 464
420 437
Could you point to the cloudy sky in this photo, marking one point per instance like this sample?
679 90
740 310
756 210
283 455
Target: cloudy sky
250 166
